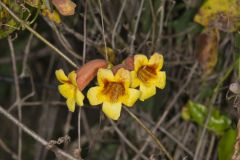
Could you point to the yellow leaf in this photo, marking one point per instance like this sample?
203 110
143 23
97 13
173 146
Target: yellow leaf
53 16
185 113
33 3
220 14
106 51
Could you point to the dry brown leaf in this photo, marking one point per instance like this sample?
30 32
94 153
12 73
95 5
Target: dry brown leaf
207 49
65 7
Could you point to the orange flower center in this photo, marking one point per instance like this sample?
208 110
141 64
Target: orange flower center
146 73
113 90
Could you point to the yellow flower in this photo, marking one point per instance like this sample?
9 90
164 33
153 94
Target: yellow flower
69 89
147 74
113 90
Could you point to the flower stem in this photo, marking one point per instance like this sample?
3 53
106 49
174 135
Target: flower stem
155 139
25 25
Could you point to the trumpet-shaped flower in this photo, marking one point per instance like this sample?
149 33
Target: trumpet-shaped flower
147 74
69 89
113 91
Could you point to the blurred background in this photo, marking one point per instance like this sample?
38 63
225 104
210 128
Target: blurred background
194 117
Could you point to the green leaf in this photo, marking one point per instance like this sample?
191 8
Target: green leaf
218 123
197 112
226 144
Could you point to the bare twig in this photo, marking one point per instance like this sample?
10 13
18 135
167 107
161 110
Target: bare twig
181 145
117 22
21 101
40 103
132 50
125 139
79 133
79 36
162 10
8 150
151 134
18 96
211 146
236 153
26 53
34 135
103 30
63 40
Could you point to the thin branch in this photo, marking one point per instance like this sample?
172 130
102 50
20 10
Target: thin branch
135 28
162 10
154 25
150 133
85 31
34 135
18 96
25 98
26 53
79 133
79 36
103 30
182 146
8 150
119 132
211 147
63 40
84 60
117 22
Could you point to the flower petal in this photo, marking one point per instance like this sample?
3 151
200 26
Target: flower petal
66 90
161 80
147 91
72 76
71 104
132 97
103 75
94 96
156 60
79 97
61 77
123 75
112 110
135 80
139 61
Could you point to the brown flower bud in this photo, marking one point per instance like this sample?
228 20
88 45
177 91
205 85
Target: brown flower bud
88 71
127 64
